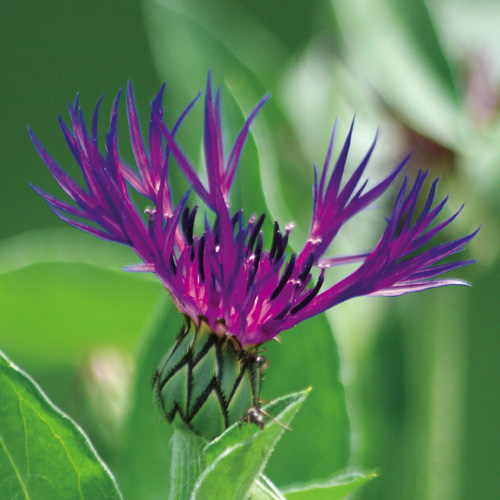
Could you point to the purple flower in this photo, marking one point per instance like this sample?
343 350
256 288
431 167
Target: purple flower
224 276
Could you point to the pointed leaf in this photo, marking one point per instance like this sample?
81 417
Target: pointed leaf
188 462
264 489
337 488
43 453
307 355
231 471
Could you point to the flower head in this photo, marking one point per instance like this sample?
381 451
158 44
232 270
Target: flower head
224 277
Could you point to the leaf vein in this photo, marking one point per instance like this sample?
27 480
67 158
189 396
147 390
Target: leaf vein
54 433
16 470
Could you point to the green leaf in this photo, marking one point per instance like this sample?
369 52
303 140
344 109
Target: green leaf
144 463
62 245
320 441
337 488
188 462
43 454
408 69
51 280
233 468
190 37
264 489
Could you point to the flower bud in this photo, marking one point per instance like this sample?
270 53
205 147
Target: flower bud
207 382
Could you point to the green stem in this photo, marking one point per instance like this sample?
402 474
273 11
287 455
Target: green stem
188 462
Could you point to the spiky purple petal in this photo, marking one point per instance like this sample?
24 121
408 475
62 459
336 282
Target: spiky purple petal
225 276
392 267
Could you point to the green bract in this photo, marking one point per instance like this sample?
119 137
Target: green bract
207 382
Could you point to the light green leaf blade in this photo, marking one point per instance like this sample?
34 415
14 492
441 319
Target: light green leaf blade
399 65
233 435
188 462
143 467
44 246
320 441
43 454
337 488
264 489
231 471
49 282
189 37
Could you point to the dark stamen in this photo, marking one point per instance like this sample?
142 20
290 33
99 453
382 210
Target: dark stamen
276 240
236 218
151 220
215 231
201 248
307 267
285 277
189 232
172 264
187 223
184 222
258 252
314 291
281 248
255 232
192 216
282 314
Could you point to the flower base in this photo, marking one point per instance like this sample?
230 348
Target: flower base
207 382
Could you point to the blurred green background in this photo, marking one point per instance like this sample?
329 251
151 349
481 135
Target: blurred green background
421 371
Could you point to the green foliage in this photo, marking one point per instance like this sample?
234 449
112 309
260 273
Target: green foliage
413 77
188 463
142 469
43 454
337 488
234 463
263 489
320 441
229 467
226 34
63 292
